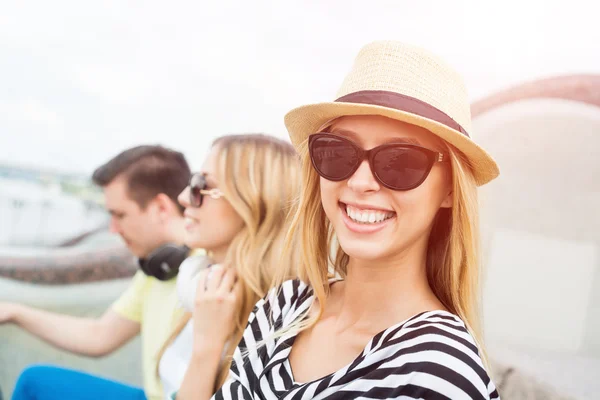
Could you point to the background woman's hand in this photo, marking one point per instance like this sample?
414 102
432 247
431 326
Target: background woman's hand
215 307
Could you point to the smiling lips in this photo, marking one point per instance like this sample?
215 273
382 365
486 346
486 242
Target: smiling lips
365 220
368 216
189 222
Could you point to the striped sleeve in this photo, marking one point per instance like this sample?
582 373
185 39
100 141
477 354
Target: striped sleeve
251 355
242 377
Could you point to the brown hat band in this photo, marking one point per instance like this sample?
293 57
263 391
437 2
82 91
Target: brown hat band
404 103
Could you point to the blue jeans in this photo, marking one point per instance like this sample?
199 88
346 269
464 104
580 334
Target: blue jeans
46 382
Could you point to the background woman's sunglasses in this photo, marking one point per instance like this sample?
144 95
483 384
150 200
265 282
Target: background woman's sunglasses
397 166
198 190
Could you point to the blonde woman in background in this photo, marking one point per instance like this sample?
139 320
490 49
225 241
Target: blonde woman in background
237 210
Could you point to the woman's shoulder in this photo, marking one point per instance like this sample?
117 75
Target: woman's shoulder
436 326
293 291
437 343
284 299
441 331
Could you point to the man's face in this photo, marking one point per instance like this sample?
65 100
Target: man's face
141 229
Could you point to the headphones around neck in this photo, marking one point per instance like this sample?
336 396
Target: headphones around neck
187 280
163 263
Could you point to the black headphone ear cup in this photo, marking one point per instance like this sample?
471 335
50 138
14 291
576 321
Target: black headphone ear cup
163 263
143 263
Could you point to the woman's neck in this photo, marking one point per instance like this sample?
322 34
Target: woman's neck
378 294
218 255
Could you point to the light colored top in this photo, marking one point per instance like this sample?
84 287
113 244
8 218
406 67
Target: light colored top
175 361
155 306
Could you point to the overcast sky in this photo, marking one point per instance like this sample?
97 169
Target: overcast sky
81 81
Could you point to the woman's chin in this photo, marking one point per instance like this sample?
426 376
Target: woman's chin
194 242
363 250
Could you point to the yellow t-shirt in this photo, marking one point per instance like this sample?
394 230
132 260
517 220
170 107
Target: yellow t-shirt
155 305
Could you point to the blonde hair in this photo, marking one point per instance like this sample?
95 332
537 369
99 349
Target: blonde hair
452 255
259 176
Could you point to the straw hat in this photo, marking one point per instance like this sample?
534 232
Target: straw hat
408 84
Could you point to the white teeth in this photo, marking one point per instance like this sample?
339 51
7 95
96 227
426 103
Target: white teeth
367 216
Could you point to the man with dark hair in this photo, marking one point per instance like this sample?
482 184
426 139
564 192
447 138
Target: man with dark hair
140 188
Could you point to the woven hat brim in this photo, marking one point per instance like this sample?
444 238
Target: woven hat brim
306 120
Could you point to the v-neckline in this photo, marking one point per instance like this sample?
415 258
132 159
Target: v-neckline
289 339
364 351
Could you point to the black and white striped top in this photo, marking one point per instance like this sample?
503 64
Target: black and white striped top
429 356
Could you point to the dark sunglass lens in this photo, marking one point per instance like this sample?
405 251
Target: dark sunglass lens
401 168
197 184
333 158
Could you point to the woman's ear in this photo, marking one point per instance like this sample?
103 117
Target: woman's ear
448 201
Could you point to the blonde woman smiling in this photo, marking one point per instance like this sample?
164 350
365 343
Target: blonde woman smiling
390 170
236 210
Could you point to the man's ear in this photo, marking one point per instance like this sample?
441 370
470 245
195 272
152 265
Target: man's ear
166 207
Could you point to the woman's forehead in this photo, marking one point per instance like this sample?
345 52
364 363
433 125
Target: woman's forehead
374 130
